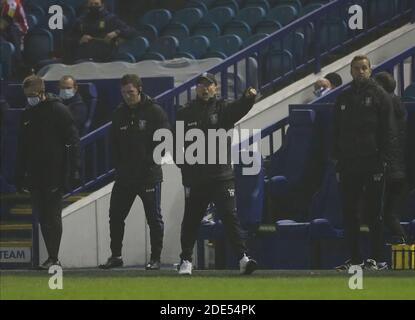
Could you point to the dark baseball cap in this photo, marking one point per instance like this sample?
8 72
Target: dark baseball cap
206 77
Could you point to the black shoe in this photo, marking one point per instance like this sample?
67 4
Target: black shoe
112 262
346 266
49 263
153 265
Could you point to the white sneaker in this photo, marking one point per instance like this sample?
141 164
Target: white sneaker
247 265
185 268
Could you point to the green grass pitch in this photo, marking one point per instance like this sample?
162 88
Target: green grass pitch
133 283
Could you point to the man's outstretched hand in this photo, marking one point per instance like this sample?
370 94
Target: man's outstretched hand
250 93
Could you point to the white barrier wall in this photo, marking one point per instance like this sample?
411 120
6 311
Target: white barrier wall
86 241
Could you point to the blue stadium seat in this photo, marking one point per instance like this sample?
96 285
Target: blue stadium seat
283 14
197 4
7 50
228 45
333 33
295 44
176 29
147 31
137 47
197 46
89 94
38 45
124 56
258 3
253 39
31 21
310 8
289 165
239 28
188 16
166 46
208 29
35 10
158 18
267 26
277 63
227 3
249 192
152 56
70 13
381 10
294 3
14 95
251 15
409 92
220 16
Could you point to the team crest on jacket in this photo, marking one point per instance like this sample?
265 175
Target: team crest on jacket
368 101
142 124
214 118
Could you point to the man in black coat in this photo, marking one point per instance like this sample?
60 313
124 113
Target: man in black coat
396 173
205 183
95 34
68 92
133 125
364 132
48 154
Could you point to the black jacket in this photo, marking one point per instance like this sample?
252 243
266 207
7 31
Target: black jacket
397 167
213 114
79 111
132 141
47 140
364 128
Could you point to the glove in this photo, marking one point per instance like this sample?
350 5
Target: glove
250 93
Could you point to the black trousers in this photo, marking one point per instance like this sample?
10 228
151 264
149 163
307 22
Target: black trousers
353 187
197 199
47 204
394 198
122 198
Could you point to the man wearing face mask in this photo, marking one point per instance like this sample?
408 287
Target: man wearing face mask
329 82
68 92
95 34
133 125
205 183
47 140
364 132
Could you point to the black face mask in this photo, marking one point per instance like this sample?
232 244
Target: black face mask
94 11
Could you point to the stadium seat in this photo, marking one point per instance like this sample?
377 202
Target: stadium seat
277 63
295 44
333 33
148 31
228 45
253 39
31 21
282 14
166 46
197 46
188 16
176 29
32 8
227 3
14 95
7 50
152 56
159 18
409 92
257 3
124 56
38 46
249 193
220 16
70 13
381 10
208 29
251 15
237 27
267 26
290 164
199 4
137 47
310 8
294 3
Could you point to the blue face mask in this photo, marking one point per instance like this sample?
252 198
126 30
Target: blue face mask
321 92
33 101
66 93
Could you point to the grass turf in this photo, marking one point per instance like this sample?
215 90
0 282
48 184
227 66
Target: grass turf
205 285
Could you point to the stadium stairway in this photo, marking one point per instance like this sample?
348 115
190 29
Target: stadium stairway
17 248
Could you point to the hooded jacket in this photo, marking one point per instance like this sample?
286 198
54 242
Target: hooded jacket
48 146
